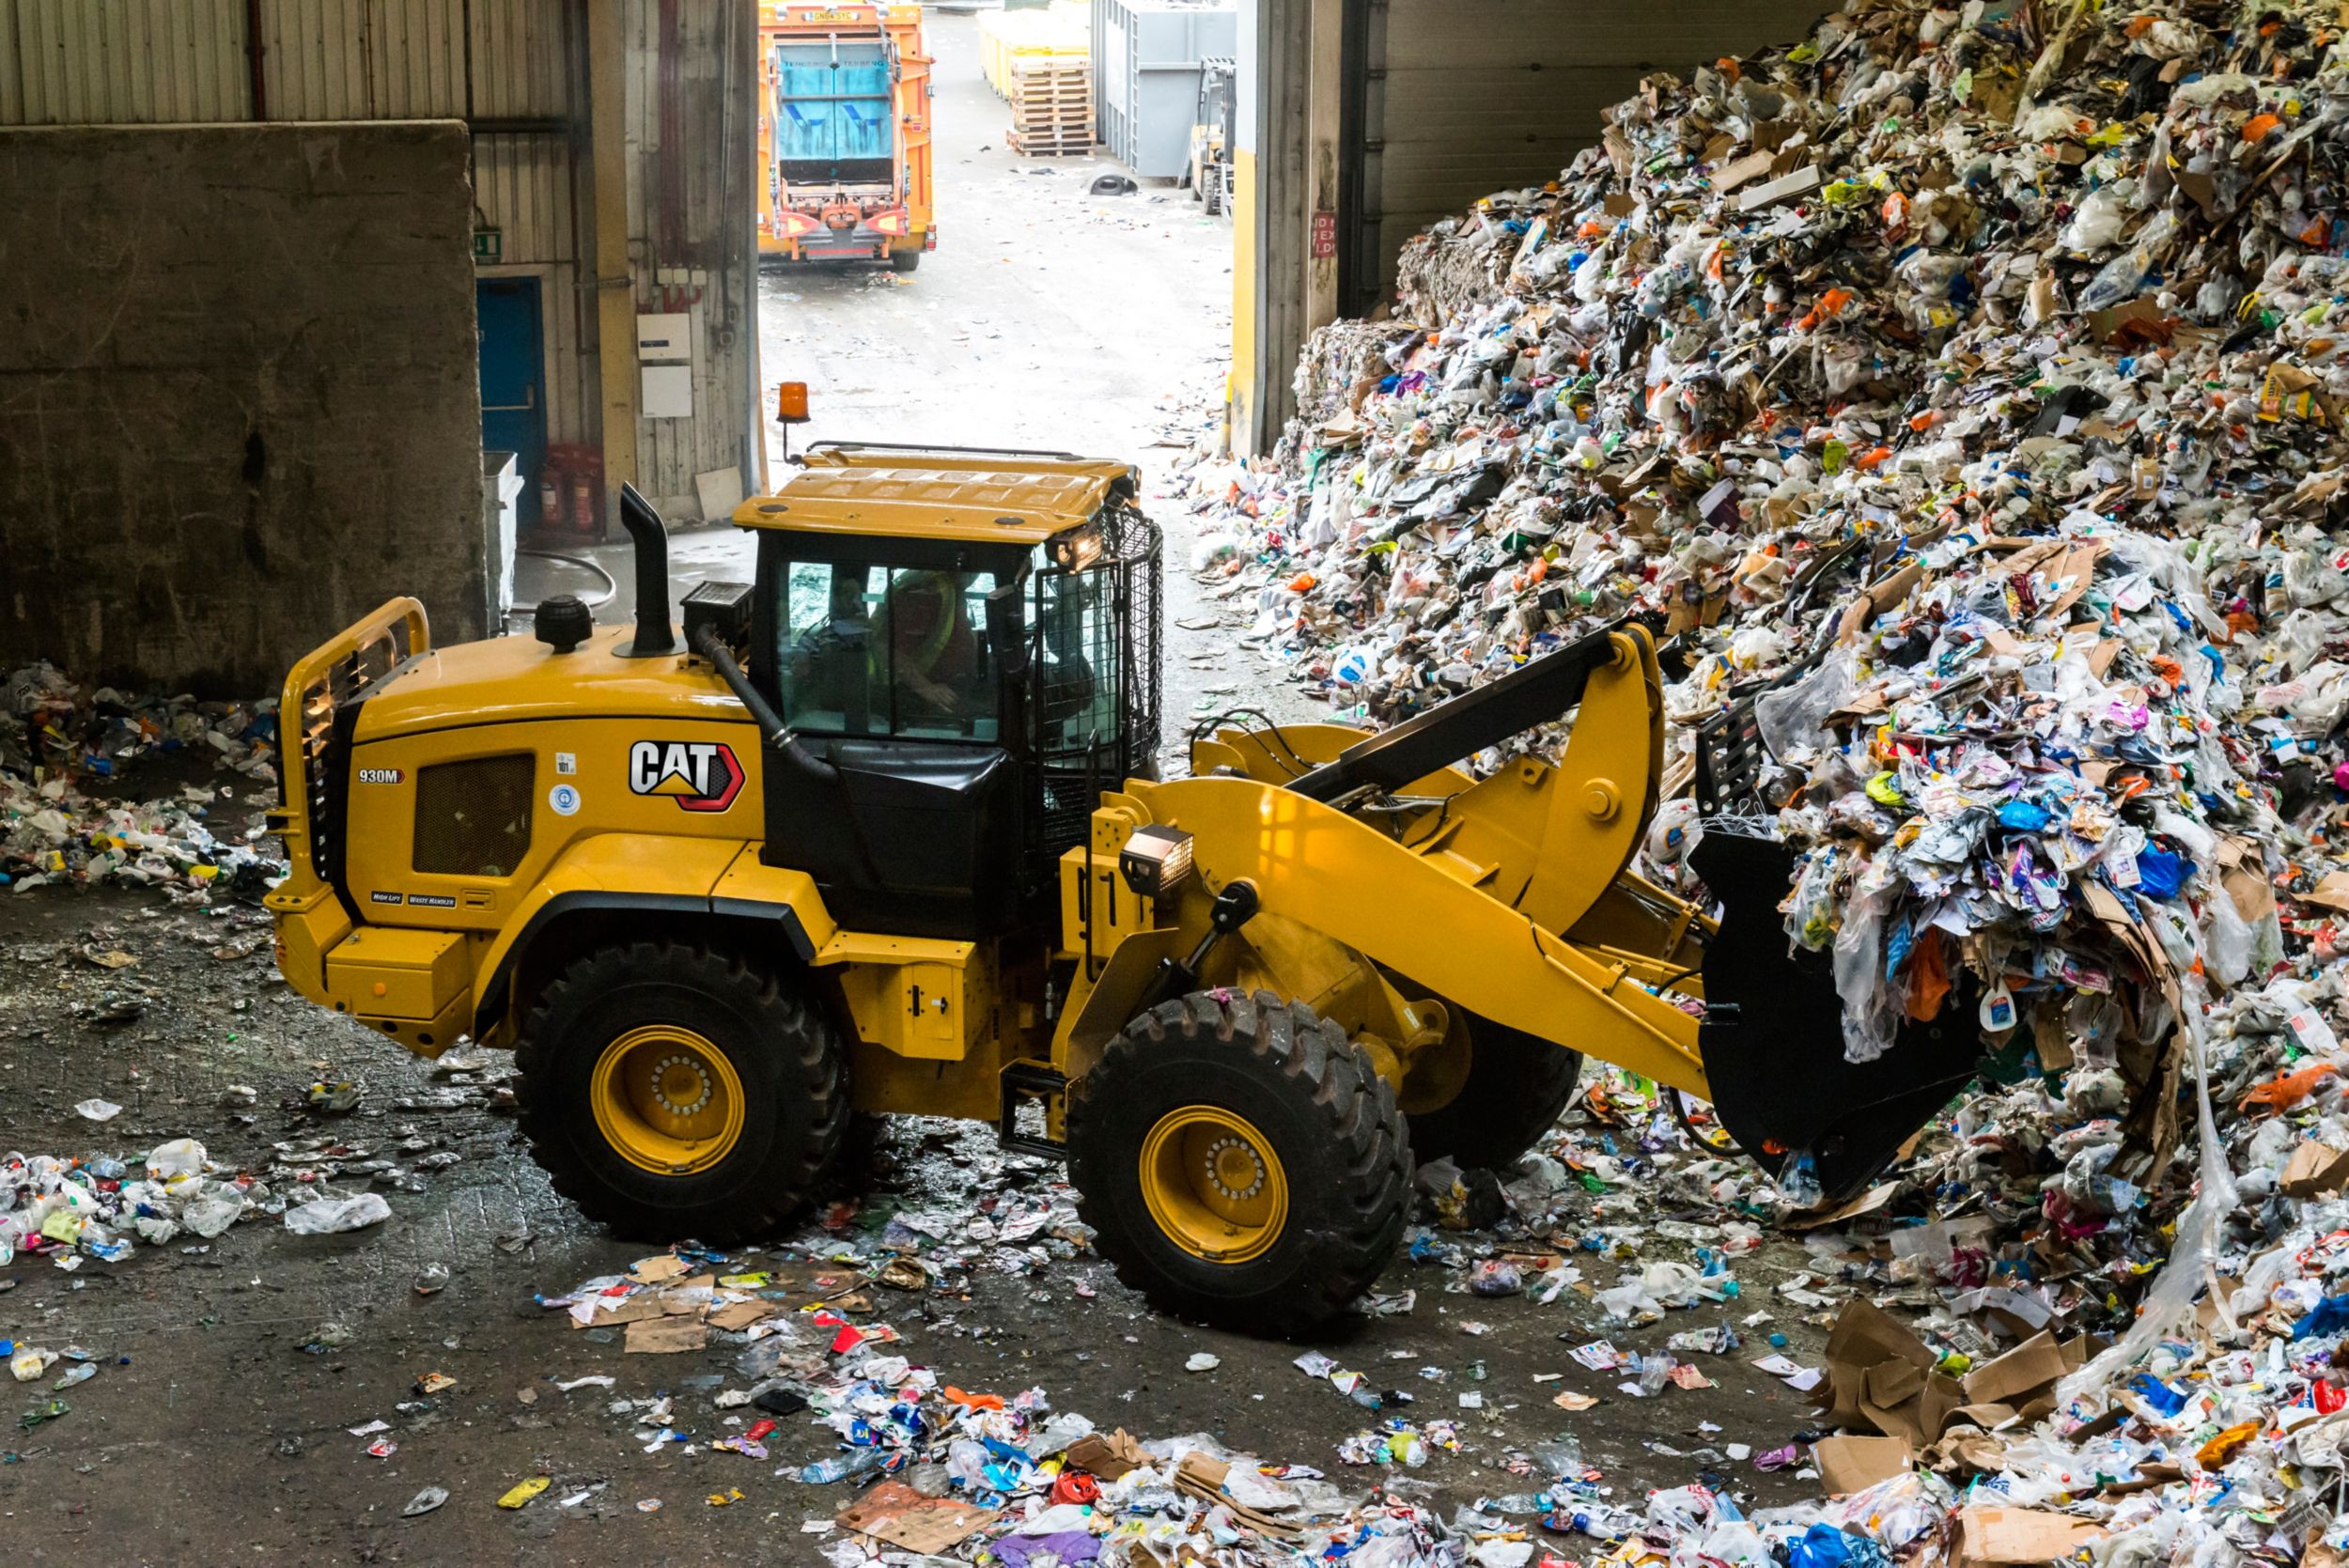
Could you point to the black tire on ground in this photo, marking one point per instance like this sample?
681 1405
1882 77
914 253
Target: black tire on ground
787 1055
1330 1121
905 261
1519 1085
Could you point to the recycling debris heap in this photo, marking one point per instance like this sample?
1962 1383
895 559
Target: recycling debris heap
62 744
1971 377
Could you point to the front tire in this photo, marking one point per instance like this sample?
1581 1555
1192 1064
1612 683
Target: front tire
1518 1086
674 1092
1240 1161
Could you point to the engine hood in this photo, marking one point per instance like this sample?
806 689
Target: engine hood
510 679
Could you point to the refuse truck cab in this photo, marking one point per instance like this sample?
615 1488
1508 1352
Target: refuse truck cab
882 830
843 135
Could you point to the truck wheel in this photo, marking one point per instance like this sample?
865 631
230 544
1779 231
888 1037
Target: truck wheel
674 1092
905 261
1518 1086
1240 1161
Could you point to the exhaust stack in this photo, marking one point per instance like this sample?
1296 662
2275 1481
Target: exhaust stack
654 636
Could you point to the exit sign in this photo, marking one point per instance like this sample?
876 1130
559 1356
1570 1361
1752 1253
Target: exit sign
488 245
1325 235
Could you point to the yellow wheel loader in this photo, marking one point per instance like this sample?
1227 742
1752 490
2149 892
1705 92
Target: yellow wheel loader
882 832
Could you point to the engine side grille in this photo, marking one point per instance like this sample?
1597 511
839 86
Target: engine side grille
473 817
317 724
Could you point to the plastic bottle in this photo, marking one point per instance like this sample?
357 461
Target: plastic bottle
1799 1186
966 1462
841 1466
1561 1458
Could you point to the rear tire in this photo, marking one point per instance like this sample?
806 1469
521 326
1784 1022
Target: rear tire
1258 1078
760 1075
1519 1085
905 261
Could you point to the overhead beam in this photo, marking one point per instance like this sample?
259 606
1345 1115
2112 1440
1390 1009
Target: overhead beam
1324 98
616 295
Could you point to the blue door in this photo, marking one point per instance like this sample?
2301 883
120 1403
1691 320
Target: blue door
513 401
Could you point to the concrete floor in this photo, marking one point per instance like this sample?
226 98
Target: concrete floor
211 1435
1045 316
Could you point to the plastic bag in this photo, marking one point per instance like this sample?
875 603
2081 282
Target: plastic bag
2193 1257
325 1216
2227 940
1872 1008
2123 276
181 1156
1791 717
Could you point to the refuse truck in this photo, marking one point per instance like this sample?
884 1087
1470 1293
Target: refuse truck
884 829
843 135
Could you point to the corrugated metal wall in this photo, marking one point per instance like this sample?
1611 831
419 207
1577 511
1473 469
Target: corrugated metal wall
689 234
523 54
364 59
1467 96
122 62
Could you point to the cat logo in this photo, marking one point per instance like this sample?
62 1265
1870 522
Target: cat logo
699 775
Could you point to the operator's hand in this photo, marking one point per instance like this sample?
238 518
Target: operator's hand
938 697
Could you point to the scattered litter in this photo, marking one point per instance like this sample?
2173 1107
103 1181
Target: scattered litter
519 1495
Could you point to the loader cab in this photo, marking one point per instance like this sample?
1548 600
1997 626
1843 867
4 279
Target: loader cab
963 650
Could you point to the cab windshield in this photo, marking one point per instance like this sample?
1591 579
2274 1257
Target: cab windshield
867 649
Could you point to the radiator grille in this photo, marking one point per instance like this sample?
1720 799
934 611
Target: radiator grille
473 817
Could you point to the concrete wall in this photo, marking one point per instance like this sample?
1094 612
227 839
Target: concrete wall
238 394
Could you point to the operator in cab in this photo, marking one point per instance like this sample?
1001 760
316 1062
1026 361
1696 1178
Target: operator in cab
933 650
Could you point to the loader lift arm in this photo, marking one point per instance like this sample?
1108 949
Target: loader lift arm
1531 695
1512 898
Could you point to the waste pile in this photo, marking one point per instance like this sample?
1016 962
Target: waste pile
1960 388
61 745
1963 377
103 1208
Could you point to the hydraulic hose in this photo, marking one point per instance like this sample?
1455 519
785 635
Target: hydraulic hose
611 583
776 734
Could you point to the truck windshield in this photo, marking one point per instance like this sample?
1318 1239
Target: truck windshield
867 649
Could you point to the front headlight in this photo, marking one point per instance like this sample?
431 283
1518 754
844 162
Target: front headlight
1155 861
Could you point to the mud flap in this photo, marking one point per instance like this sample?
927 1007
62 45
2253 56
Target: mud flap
1773 1040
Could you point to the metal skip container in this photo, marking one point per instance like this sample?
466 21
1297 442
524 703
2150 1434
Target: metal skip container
1146 73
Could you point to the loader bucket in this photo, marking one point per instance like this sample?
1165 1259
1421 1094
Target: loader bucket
1772 1037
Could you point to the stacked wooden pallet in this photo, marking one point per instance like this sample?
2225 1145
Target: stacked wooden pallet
1013 40
1051 107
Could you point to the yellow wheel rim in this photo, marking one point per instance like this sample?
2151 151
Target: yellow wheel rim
667 1100
1213 1184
